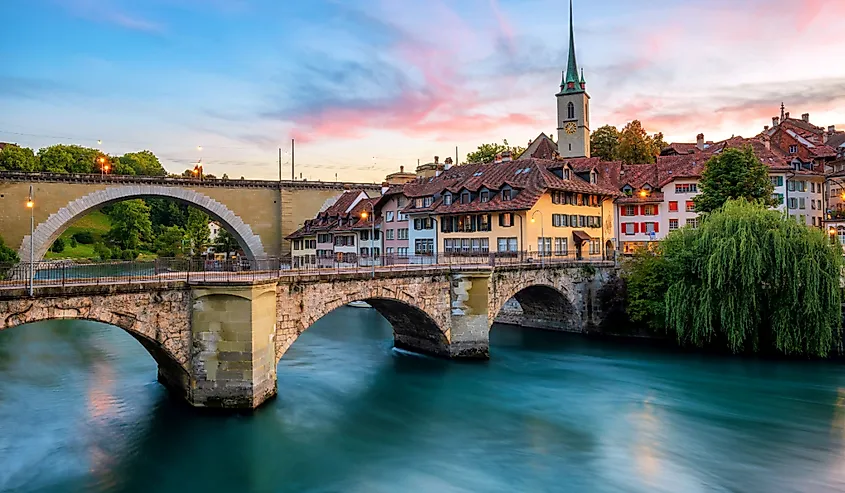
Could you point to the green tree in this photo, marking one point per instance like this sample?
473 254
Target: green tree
144 163
646 279
486 153
226 243
604 143
62 158
636 146
732 174
58 246
131 226
14 158
166 212
197 230
7 255
750 278
169 242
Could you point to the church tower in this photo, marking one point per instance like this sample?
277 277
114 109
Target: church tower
573 106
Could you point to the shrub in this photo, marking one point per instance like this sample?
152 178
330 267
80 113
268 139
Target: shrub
58 245
84 237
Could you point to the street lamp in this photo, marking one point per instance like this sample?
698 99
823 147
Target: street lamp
104 168
30 204
372 236
198 171
542 237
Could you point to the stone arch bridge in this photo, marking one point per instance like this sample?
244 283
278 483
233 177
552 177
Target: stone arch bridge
218 344
259 214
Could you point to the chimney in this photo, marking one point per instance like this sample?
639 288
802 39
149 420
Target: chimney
775 121
786 116
436 159
831 129
806 117
401 169
448 162
765 128
506 156
699 142
767 141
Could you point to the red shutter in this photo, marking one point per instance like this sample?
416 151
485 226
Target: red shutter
643 229
623 211
636 228
656 227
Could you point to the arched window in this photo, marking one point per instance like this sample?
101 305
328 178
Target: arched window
570 110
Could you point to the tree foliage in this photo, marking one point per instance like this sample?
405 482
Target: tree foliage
14 158
752 279
197 230
143 163
732 174
486 153
604 143
636 146
226 243
58 246
131 226
7 255
62 158
646 276
169 241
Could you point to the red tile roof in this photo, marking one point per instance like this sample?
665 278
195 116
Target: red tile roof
679 148
540 148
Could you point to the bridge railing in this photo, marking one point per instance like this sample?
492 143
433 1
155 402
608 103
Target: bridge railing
69 273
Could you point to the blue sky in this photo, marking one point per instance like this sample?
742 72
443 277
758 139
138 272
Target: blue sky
366 86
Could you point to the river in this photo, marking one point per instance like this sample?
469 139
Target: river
80 410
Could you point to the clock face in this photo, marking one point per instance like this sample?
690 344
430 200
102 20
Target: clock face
570 127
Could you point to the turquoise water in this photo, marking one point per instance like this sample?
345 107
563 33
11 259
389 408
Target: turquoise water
80 410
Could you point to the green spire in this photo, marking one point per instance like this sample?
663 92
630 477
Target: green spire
572 65
582 76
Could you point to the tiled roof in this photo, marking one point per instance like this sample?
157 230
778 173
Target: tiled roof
836 140
638 175
679 148
653 198
541 148
426 187
344 202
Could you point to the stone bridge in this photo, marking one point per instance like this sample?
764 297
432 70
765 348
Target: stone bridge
258 213
218 345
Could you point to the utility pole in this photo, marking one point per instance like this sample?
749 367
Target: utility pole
456 156
280 164
292 161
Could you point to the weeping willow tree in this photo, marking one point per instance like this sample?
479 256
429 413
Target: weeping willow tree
753 279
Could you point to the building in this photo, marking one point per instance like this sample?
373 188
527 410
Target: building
573 106
400 177
331 236
394 223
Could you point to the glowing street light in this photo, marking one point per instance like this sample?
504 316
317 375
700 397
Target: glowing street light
643 193
364 216
30 204
542 238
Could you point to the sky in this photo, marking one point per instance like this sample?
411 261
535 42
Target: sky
367 86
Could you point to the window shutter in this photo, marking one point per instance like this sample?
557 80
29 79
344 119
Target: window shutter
656 227
636 228
643 228
501 220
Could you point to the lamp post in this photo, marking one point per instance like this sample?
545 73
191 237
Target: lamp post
30 204
104 167
372 237
542 237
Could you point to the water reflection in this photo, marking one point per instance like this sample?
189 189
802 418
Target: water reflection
80 410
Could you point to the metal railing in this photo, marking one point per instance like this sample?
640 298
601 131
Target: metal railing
71 273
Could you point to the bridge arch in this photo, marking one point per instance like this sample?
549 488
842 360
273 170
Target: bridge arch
416 326
172 367
544 305
47 232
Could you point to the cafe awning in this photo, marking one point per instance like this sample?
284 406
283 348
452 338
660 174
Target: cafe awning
580 236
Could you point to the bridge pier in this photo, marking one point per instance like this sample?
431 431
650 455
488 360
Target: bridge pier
470 333
233 363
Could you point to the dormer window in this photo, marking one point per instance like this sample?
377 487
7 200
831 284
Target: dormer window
485 196
466 197
428 201
593 177
628 190
566 174
447 199
418 203
793 149
507 194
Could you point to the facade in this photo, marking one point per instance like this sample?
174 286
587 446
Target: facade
394 223
331 236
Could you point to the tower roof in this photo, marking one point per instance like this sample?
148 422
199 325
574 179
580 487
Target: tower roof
571 75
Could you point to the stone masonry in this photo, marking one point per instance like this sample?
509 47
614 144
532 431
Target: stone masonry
218 345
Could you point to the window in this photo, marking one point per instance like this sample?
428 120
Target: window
388 251
544 246
506 219
561 246
650 210
418 203
628 190
566 174
650 228
570 111
812 204
777 181
692 222
365 252
673 206
401 216
424 246
388 217
447 199
400 201
629 210
557 220
793 149
690 206
365 235
793 203
506 194
506 244
344 241
813 187
297 244
484 222
324 238
802 204
485 196
593 177
389 234
673 224
595 247
778 198
629 228
402 233
428 201
686 188
402 251
311 244
465 197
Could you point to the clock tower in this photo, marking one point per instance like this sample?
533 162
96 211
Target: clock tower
573 106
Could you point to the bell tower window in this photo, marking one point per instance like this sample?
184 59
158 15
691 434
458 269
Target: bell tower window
570 111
